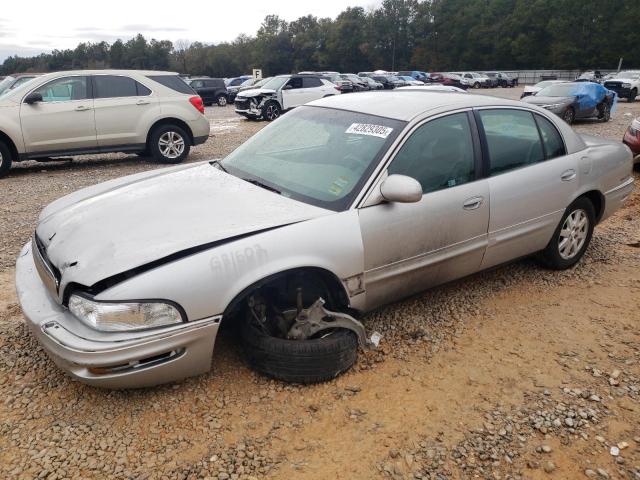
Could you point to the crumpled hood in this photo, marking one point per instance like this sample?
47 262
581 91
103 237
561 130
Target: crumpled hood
134 222
255 92
538 100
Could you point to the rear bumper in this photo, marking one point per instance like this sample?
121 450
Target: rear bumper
131 360
615 198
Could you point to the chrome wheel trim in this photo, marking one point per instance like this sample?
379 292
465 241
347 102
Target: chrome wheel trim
171 144
272 112
222 101
1 159
573 234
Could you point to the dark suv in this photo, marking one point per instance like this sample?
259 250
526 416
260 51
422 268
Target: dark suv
211 90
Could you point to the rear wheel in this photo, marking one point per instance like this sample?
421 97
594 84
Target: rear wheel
5 159
569 115
632 96
605 112
572 237
221 100
169 144
476 85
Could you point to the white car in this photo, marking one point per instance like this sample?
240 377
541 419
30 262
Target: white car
533 89
476 80
410 80
281 93
626 84
98 111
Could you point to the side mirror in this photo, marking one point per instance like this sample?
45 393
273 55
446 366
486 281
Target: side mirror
33 97
401 189
287 87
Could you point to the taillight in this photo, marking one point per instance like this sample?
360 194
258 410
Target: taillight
337 87
197 103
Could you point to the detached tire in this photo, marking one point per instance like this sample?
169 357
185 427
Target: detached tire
299 361
5 159
169 144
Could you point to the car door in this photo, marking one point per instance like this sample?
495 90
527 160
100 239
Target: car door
409 247
312 89
198 86
124 111
292 93
63 121
531 181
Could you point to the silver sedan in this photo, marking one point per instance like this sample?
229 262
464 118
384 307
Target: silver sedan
338 207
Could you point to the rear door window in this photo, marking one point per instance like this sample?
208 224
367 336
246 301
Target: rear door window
117 86
512 139
551 138
311 82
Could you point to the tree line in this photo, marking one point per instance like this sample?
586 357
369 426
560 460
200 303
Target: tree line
431 35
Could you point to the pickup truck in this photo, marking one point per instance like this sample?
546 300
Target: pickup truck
626 84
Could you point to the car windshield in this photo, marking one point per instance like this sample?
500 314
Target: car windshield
315 155
558 90
18 87
275 83
4 84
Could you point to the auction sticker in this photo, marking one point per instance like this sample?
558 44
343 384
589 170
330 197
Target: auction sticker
369 129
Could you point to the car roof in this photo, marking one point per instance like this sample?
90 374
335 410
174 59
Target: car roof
408 104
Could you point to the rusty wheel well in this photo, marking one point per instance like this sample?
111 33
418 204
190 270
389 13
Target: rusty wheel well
282 286
170 121
597 199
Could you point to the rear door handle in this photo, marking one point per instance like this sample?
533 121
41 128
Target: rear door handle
143 102
472 203
82 108
568 175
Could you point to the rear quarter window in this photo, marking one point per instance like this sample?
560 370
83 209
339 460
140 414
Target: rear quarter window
174 82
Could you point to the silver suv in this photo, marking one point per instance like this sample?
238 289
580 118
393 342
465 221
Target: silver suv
88 112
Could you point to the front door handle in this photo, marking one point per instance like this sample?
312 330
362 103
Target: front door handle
568 175
143 102
82 108
472 203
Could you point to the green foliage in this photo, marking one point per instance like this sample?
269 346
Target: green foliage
426 35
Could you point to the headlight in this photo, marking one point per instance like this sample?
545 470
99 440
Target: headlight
119 317
626 85
551 106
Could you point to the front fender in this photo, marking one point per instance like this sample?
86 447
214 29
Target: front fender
204 284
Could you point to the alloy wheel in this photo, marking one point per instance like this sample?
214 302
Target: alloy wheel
272 112
573 234
222 101
567 116
171 144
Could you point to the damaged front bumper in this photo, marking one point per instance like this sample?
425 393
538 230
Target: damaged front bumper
111 360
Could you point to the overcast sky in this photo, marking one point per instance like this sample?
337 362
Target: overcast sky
29 27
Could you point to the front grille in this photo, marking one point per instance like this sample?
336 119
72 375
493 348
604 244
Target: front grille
612 85
242 104
49 274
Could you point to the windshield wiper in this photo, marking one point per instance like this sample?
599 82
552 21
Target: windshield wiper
220 166
262 185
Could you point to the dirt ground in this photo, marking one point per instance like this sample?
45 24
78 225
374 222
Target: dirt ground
514 373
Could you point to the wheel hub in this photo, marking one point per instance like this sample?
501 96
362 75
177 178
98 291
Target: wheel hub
573 234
